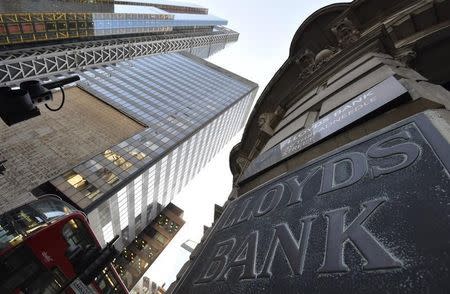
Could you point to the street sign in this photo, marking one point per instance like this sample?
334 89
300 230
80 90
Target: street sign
360 106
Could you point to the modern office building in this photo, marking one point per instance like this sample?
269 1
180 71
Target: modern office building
189 245
48 37
342 178
135 130
128 138
25 6
10 6
148 287
136 258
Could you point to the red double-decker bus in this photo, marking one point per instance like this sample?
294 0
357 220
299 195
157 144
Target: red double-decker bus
47 246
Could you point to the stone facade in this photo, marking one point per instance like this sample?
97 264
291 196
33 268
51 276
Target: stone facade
42 148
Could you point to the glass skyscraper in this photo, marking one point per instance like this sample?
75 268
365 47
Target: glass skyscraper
189 108
139 124
46 37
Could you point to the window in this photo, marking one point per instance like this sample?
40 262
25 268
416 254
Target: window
76 180
106 175
117 159
122 198
107 282
82 185
167 224
107 231
27 219
137 154
8 233
51 207
161 239
76 234
93 165
23 268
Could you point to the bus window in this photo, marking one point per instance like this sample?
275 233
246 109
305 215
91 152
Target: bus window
9 236
21 271
76 234
51 207
48 282
19 223
82 248
28 219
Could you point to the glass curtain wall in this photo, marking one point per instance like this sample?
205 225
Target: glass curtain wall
190 109
166 177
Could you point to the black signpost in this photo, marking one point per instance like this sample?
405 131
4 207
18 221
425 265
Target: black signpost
360 106
371 217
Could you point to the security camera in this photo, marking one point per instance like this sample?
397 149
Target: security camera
17 105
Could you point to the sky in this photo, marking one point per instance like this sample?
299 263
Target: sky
266 29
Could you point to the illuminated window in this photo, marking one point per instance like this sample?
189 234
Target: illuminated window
137 154
167 224
76 180
82 185
117 159
161 239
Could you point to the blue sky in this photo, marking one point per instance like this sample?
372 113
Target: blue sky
266 29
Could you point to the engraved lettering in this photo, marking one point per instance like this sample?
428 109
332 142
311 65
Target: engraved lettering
408 151
218 262
237 215
294 250
274 194
358 167
368 246
296 187
246 212
244 257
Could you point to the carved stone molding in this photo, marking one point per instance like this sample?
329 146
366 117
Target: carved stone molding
406 56
346 33
310 62
306 62
242 162
265 123
324 55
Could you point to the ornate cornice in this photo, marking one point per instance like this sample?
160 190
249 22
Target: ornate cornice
333 37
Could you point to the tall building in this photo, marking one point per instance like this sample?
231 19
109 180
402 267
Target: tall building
146 116
148 287
341 180
129 137
138 126
137 257
48 37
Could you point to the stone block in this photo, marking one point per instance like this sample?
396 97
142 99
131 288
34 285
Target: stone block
373 211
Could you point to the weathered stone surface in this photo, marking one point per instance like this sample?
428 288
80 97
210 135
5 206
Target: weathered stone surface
371 217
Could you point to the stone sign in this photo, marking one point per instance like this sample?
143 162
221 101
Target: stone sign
372 217
358 107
